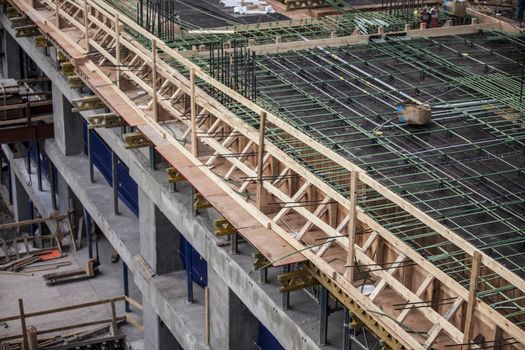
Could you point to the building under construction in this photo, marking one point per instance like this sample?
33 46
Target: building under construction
280 174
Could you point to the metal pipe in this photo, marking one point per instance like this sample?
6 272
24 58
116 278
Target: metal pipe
51 171
87 220
90 156
189 270
323 315
285 297
38 166
347 318
126 284
115 181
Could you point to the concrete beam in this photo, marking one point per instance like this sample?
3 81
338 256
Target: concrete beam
156 335
159 239
25 189
12 64
67 125
232 325
21 208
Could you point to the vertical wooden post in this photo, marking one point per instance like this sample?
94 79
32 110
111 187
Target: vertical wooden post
114 327
32 338
154 79
332 214
23 324
471 303
207 315
86 26
352 225
194 146
57 13
117 48
498 339
260 159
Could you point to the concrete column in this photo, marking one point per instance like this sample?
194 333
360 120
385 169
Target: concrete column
68 125
159 239
156 335
232 325
12 63
21 209
65 196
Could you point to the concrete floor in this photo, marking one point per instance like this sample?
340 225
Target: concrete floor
38 296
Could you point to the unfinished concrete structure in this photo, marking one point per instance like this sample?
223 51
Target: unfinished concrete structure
284 137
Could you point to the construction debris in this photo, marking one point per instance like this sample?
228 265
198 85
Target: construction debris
456 8
62 337
22 263
89 271
415 113
246 7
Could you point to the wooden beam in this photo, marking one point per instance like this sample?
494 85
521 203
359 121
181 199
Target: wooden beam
471 302
194 146
436 329
86 26
114 327
424 285
352 226
25 340
32 338
117 48
383 283
154 80
57 14
260 159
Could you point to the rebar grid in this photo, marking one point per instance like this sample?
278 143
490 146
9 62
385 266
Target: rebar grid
443 197
465 169
326 27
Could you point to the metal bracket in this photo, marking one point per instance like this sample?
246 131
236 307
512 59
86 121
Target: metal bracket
260 261
296 280
200 201
106 120
41 41
75 82
19 21
27 31
87 103
61 57
223 227
174 175
67 68
304 4
12 13
135 140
